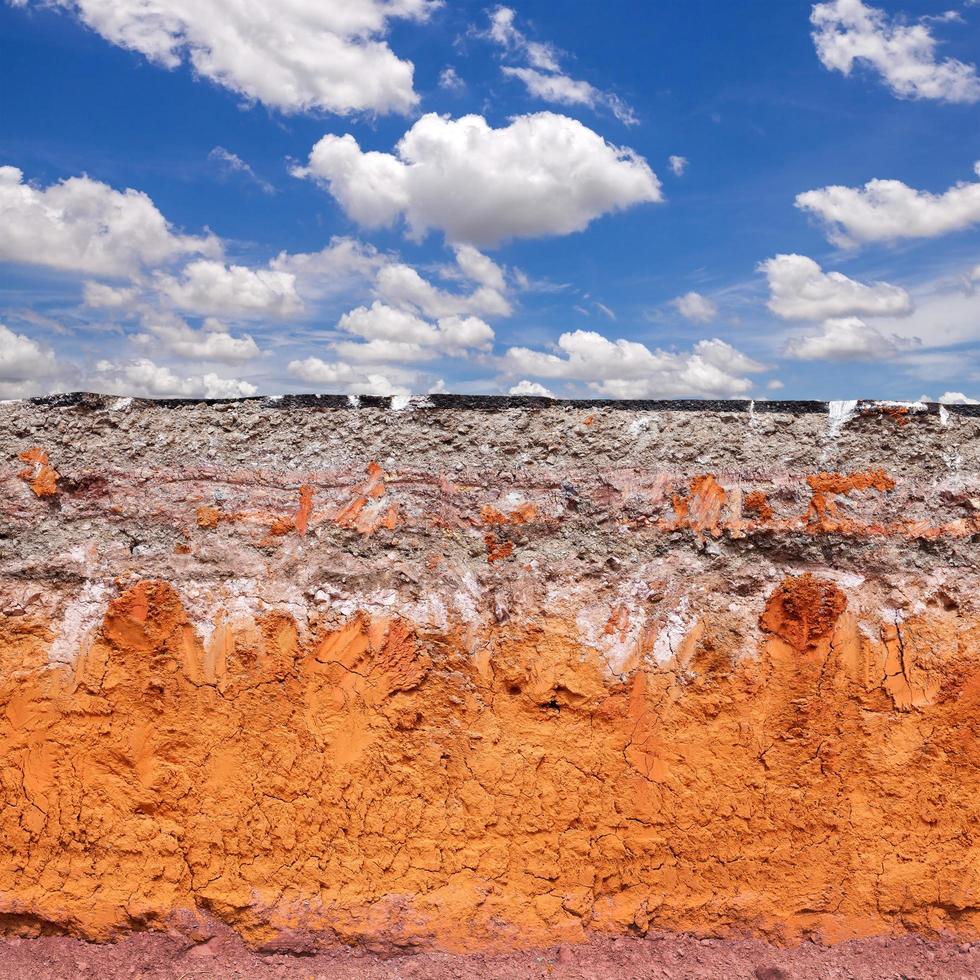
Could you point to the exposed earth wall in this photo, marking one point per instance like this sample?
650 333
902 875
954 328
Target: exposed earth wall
488 674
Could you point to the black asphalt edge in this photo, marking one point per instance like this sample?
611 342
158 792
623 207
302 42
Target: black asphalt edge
487 403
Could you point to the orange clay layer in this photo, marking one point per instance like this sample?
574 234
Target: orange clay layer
376 782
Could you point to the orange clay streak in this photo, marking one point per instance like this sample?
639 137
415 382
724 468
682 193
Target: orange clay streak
41 476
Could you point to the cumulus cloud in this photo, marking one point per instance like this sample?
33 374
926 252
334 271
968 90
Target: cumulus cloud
695 307
100 295
531 388
627 369
947 313
543 174
401 286
847 339
412 322
144 378
342 267
542 74
212 342
957 398
86 226
887 210
449 335
292 55
678 165
339 376
904 55
23 359
208 287
800 290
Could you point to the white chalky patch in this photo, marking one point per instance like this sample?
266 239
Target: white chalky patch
616 646
639 425
915 407
83 616
848 580
841 413
679 624
400 402
240 601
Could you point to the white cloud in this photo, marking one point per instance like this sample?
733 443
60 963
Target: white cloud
382 352
382 322
212 342
543 76
86 226
678 165
208 287
543 174
800 290
846 339
531 388
22 359
142 377
887 210
342 267
371 187
480 268
459 333
449 335
946 313
293 55
553 88
100 295
563 90
340 376
849 31
627 369
695 307
957 398
450 81
233 163
401 286
503 32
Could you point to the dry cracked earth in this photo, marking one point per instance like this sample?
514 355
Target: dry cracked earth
504 687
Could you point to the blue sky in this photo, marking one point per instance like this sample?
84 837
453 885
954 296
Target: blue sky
626 200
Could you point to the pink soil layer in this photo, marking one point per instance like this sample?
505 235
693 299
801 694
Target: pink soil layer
154 956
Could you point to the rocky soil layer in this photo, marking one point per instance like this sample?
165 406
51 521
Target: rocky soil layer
474 675
657 956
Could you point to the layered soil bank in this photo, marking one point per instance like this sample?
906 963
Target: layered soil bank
488 675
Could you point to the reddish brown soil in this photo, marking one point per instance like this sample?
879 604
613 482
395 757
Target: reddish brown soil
158 956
